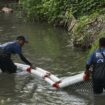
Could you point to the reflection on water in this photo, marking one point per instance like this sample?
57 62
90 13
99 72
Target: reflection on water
50 49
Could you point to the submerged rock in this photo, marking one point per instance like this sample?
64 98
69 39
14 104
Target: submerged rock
7 10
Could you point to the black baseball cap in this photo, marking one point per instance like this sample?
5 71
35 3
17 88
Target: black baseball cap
22 38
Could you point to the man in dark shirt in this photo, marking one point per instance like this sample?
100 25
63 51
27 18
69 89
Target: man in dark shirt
97 62
8 49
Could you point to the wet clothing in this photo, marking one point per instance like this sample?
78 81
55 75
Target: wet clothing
6 50
96 57
97 61
11 48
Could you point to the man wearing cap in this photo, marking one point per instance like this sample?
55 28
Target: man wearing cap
8 49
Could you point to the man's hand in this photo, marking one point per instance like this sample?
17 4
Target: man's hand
86 75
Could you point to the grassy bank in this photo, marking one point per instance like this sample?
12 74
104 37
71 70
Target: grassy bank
83 18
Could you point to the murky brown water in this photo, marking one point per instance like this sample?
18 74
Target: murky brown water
49 48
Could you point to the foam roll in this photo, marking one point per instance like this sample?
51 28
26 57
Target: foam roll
71 80
26 67
37 73
48 80
22 66
42 70
54 78
46 73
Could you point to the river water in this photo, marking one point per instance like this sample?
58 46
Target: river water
51 49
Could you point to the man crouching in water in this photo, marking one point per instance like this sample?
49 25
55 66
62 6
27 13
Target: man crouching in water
9 48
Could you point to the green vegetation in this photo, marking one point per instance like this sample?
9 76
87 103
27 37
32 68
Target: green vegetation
50 10
81 17
61 9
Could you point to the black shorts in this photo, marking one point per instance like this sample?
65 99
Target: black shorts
6 64
98 86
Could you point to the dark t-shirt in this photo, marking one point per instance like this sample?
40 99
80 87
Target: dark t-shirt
96 57
11 47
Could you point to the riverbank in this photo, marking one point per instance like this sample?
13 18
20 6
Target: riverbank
88 29
84 19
